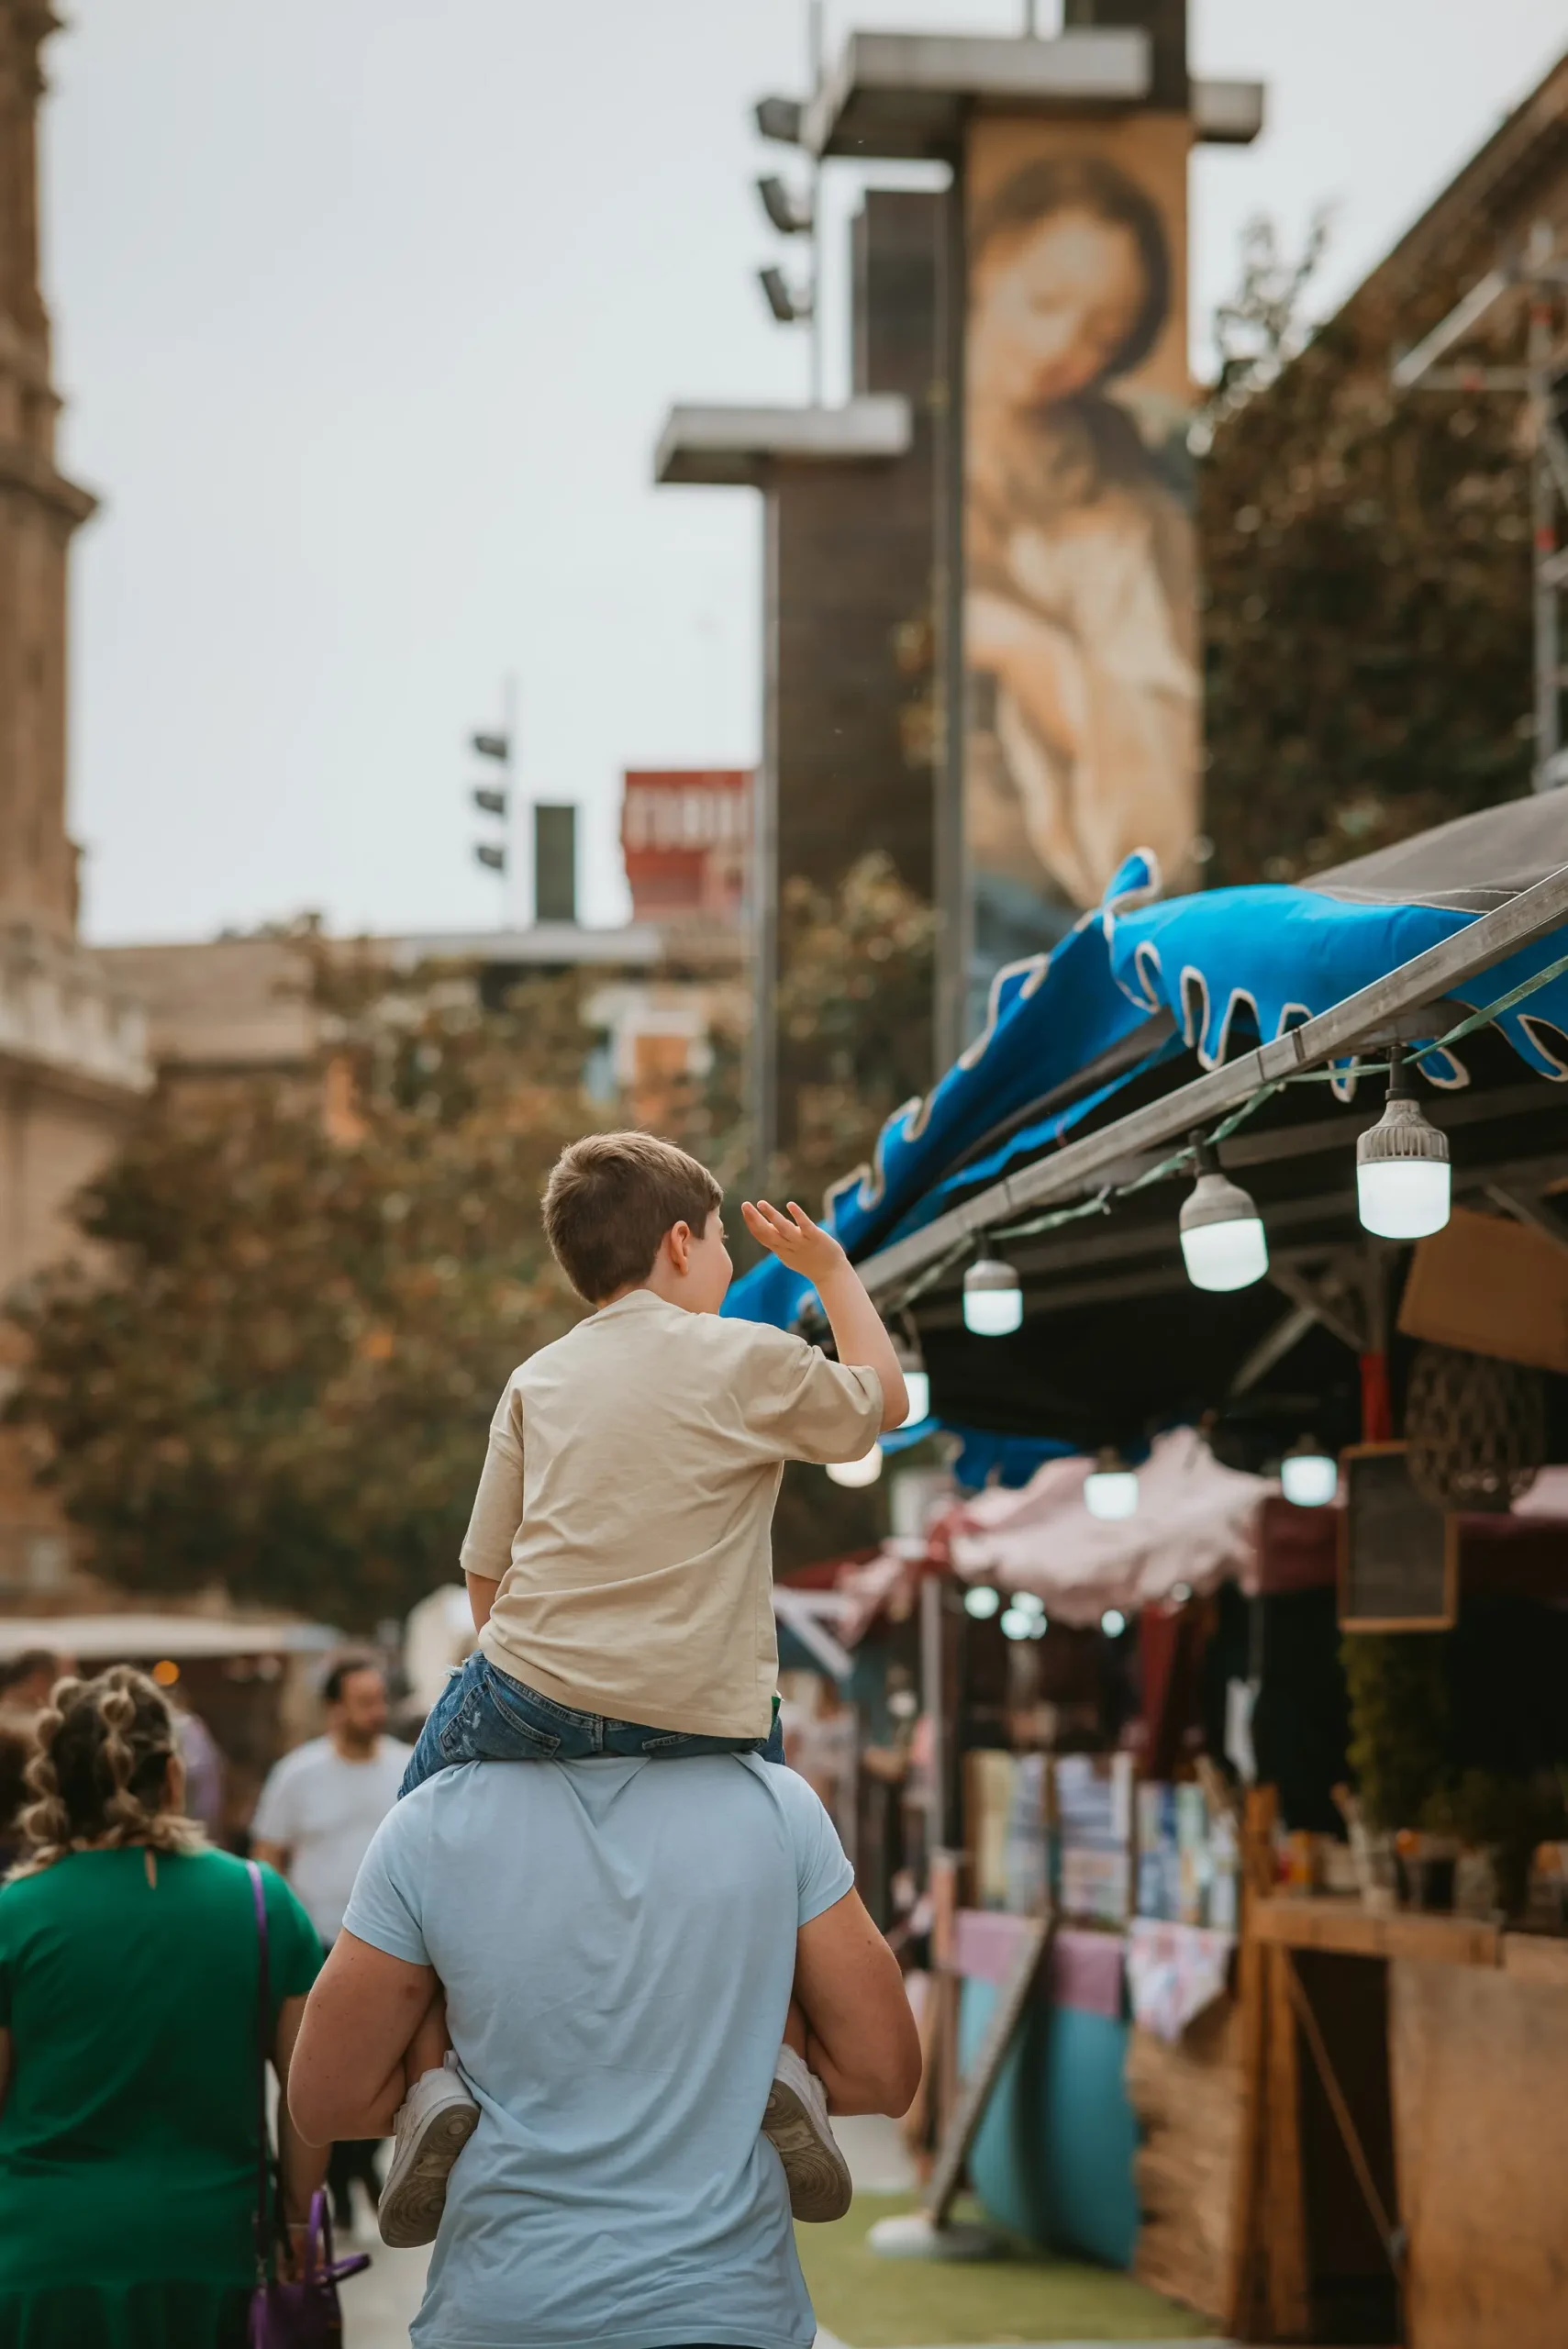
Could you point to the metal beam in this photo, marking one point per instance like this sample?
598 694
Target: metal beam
1286 1333
1530 1211
1081 1167
1461 320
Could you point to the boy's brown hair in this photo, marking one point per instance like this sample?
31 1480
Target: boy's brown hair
609 1201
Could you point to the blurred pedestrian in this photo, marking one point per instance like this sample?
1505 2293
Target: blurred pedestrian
15 1748
26 1680
317 1812
128 2044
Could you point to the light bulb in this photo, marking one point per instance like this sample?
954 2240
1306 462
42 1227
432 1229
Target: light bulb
855 1473
1403 1180
1038 1627
1403 1198
992 1300
1309 1478
917 1386
981 1601
1113 1622
1223 1245
1029 1602
1110 1488
1016 1625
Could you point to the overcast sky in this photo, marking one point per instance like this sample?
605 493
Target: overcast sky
367 314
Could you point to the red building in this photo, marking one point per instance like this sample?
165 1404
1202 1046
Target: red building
686 835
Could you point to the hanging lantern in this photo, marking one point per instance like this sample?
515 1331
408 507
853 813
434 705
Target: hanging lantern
1223 1246
993 1299
1403 1179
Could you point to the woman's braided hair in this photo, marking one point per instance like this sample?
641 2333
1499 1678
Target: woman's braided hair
99 1772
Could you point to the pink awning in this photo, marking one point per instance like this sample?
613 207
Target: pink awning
1196 1524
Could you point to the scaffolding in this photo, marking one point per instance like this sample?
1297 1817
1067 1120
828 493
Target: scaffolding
1542 277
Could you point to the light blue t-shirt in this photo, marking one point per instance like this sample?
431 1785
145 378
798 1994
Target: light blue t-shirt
617 1943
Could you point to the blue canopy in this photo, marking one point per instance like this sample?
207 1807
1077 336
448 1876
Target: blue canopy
1272 956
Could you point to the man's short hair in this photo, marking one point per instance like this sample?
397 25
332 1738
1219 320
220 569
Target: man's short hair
345 1669
609 1201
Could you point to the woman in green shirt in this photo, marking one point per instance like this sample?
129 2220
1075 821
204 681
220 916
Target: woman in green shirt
129 1982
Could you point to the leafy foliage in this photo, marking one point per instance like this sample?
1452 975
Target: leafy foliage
1366 555
276 1367
855 1016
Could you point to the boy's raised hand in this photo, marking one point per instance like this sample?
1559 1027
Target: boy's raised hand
794 1239
858 1333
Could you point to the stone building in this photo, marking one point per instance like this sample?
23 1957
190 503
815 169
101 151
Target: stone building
72 1054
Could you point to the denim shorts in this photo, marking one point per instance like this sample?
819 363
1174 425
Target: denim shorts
483 1715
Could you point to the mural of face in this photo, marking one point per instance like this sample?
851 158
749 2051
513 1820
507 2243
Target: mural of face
1053 304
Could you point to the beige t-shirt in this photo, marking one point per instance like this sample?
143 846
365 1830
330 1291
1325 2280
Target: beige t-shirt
627 1503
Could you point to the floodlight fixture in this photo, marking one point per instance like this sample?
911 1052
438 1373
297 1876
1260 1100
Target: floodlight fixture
780 118
791 305
489 803
792 214
493 859
492 746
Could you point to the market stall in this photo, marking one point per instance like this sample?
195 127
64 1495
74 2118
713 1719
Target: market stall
1152 1215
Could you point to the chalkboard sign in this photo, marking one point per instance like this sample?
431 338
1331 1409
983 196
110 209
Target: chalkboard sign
1398 1553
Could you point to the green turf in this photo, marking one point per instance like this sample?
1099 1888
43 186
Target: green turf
875 2303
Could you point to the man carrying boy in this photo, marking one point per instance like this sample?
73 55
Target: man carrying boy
618 1557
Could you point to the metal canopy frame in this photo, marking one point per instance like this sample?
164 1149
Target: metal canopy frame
1080 1168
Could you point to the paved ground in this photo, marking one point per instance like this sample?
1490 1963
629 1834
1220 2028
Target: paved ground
379 2306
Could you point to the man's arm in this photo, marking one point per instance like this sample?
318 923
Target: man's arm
859 1337
482 1589
861 2037
346 2075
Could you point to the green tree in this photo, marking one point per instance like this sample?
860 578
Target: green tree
274 1367
1367 581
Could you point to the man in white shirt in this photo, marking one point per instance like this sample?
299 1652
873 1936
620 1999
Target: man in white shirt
317 1813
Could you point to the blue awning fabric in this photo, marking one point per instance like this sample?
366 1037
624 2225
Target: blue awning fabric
1269 957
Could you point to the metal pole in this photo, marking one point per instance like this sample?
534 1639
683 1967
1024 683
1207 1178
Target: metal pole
951 857
815 63
510 769
1543 520
932 1701
764 1071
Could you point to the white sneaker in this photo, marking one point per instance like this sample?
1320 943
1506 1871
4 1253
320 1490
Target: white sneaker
434 2123
796 2123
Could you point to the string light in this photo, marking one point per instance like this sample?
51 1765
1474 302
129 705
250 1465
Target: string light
993 1299
1223 1245
1403 1179
853 1474
1110 1488
1309 1475
981 1601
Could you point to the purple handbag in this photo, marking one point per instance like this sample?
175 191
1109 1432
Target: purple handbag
303 2314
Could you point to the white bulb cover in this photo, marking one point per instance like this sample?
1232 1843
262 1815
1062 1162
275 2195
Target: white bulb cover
1038 1627
1029 1602
1226 1255
1111 1492
1403 1198
1310 1479
992 1312
1015 1626
855 1473
1113 1622
917 1386
981 1601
